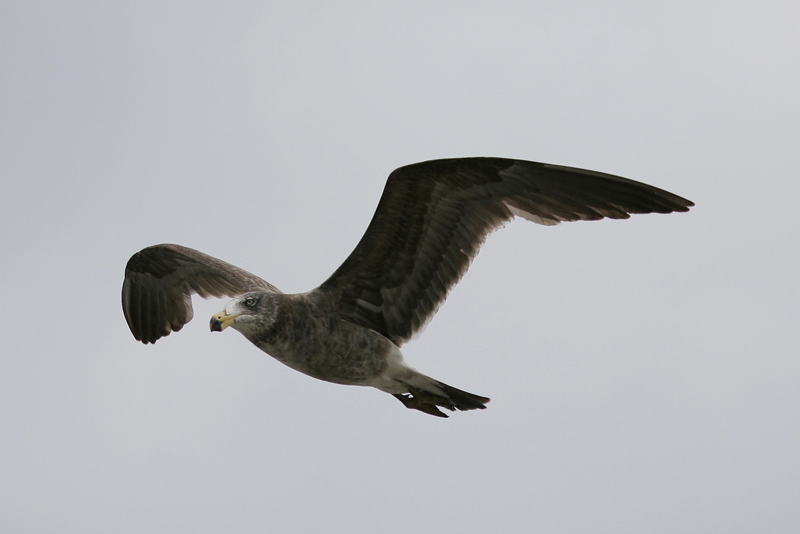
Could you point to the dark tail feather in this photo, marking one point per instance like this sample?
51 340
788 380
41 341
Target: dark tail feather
453 399
462 400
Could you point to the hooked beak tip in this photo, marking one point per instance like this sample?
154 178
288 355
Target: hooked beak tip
220 321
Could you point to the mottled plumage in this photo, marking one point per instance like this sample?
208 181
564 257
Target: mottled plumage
430 222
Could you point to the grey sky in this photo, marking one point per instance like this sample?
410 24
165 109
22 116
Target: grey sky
644 374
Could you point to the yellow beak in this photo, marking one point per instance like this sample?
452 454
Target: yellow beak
220 321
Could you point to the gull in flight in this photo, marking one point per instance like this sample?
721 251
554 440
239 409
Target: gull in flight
430 222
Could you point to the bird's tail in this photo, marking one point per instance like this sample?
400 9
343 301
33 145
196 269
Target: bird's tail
425 394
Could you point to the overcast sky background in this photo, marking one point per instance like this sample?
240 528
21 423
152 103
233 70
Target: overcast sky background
644 374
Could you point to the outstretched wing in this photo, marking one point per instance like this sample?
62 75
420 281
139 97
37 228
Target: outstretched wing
159 283
433 217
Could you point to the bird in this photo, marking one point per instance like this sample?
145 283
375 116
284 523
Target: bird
431 220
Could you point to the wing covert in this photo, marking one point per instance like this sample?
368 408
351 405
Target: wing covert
433 217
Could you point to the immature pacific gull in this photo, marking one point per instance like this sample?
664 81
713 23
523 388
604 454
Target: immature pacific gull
430 222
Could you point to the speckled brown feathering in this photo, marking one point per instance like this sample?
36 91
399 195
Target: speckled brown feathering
430 222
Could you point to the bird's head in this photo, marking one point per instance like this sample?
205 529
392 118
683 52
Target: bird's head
246 313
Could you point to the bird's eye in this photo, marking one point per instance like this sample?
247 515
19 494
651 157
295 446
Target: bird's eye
250 302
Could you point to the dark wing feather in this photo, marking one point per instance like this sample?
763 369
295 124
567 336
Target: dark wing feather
433 217
159 283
